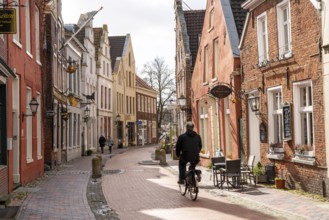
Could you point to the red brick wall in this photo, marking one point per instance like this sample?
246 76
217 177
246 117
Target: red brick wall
303 65
3 180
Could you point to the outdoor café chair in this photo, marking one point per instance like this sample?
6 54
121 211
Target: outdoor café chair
217 164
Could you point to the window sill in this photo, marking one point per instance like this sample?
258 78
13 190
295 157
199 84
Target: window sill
275 156
205 83
307 161
29 160
40 157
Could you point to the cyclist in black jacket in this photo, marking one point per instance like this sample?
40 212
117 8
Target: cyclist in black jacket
188 147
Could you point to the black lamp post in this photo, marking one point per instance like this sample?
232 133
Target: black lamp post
33 106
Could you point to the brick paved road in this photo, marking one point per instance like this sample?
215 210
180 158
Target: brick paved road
62 196
142 192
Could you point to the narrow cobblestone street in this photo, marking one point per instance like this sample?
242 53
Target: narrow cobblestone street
133 186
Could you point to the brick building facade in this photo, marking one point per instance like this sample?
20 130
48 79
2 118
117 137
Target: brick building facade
217 118
282 67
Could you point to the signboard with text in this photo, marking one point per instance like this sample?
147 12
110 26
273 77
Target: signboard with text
8 21
286 117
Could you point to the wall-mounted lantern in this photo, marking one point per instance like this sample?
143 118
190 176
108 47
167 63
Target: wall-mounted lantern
33 106
72 66
87 114
254 104
182 104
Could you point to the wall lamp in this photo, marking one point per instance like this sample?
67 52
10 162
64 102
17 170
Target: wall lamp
87 114
254 104
65 114
72 66
34 108
182 104
117 119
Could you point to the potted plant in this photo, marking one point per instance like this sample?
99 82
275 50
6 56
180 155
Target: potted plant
259 173
89 152
280 181
276 148
302 148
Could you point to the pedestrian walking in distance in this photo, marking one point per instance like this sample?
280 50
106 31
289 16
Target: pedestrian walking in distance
188 147
101 141
110 144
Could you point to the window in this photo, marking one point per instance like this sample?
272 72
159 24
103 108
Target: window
206 64
216 59
211 18
17 36
39 126
275 123
28 27
203 127
262 39
28 129
37 34
109 103
303 113
284 29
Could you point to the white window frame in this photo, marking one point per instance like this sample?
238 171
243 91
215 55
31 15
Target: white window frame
216 58
262 36
28 27
211 18
17 36
285 50
37 35
39 126
206 64
298 109
203 117
275 135
29 127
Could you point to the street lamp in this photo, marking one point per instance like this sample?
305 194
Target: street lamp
254 104
117 119
87 114
33 106
182 104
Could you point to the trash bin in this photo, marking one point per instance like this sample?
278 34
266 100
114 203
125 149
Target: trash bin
270 173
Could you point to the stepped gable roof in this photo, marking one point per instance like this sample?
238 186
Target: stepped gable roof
239 15
194 24
97 39
141 83
116 47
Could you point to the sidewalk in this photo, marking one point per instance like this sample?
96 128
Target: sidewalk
69 192
265 199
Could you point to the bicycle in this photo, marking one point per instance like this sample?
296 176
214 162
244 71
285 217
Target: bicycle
192 179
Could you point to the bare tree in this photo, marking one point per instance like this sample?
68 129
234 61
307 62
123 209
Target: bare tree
158 75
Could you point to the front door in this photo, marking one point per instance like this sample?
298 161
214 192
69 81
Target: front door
254 142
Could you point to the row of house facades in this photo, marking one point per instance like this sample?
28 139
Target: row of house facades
258 84
84 82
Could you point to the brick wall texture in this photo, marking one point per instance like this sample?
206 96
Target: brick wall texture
305 64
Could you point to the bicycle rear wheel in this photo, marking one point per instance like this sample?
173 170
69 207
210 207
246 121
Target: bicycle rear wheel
194 190
182 189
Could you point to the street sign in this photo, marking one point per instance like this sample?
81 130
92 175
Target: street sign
8 21
139 122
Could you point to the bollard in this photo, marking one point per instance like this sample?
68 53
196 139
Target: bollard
96 167
157 154
162 157
100 161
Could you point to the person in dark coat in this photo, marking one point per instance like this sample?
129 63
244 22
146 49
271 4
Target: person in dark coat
188 147
102 141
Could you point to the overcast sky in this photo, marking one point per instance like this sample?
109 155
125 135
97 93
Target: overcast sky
150 23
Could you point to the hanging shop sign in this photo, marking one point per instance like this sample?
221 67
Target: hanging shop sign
7 21
221 91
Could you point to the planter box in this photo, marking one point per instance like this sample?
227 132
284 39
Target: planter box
279 183
261 178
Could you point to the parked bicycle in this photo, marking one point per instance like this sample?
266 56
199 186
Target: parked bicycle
192 179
